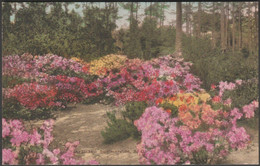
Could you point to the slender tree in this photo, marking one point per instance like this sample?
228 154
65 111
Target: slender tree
178 29
222 28
233 27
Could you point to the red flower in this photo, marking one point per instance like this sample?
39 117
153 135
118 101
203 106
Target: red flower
216 99
213 87
159 101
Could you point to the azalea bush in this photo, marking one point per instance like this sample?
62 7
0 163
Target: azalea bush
146 81
22 147
106 63
197 130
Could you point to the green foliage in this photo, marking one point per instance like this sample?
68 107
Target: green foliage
134 110
120 129
212 66
243 94
59 32
117 130
10 82
172 107
13 110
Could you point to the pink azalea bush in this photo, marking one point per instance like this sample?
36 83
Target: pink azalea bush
22 147
167 140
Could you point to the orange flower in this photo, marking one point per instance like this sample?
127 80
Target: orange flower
159 101
183 108
173 98
168 111
190 99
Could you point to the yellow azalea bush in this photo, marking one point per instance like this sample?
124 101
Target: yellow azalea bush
106 63
192 108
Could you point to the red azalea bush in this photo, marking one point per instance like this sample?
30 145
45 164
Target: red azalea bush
139 81
33 95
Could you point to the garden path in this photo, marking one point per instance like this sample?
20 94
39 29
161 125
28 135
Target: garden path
85 122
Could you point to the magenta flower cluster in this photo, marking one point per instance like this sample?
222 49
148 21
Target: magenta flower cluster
15 138
165 140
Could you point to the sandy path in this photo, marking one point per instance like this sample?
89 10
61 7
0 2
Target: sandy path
84 123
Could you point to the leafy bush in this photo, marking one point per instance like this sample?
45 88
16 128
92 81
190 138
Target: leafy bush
213 69
11 81
242 95
117 130
120 129
13 110
134 110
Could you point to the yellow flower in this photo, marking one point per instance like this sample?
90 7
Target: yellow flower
204 96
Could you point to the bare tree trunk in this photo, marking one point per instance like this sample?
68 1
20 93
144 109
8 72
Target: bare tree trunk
227 17
178 29
213 25
199 19
136 16
222 28
187 19
239 27
131 16
256 24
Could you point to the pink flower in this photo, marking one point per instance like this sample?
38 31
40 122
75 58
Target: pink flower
40 159
228 101
56 152
239 82
8 157
35 138
249 111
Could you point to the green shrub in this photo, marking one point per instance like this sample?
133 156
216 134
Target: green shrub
120 129
11 81
117 130
225 67
134 110
13 110
243 94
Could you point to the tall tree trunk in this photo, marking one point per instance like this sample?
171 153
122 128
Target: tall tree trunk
151 10
239 27
227 17
256 24
187 19
178 29
222 28
199 19
213 25
131 14
250 27
190 6
233 27
136 16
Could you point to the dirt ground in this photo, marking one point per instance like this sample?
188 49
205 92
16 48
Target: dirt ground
85 122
